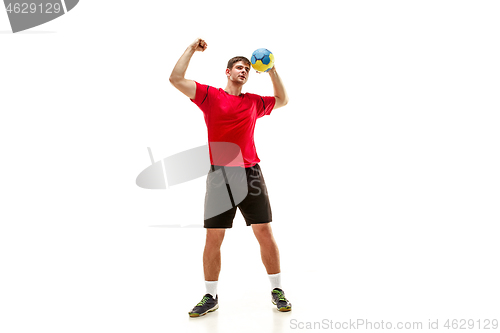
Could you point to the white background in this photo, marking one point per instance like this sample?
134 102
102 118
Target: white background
382 170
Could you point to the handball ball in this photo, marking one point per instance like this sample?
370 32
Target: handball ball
262 60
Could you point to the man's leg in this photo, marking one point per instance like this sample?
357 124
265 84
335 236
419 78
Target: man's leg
216 221
268 248
211 254
211 268
271 260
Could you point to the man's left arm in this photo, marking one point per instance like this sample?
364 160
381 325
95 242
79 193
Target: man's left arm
279 89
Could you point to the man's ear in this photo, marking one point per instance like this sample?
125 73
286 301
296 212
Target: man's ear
227 72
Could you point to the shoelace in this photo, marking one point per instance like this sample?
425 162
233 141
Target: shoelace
281 296
203 301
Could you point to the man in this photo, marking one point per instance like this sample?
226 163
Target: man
230 116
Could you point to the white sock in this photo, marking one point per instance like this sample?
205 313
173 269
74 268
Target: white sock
211 287
275 280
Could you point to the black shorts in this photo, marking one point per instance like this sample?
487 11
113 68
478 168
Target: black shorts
229 188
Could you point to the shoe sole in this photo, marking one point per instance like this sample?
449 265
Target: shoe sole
194 314
283 309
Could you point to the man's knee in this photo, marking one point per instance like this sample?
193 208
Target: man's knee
262 231
215 237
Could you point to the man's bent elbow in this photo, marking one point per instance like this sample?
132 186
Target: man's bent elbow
175 81
280 102
284 101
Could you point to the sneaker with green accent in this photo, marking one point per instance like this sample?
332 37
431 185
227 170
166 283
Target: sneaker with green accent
279 299
207 304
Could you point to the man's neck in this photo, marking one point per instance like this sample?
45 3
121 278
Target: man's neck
233 89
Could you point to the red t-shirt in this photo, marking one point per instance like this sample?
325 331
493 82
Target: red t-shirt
231 119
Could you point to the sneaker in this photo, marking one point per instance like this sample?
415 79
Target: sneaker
206 305
280 300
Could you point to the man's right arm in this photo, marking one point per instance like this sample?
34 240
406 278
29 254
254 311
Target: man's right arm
187 87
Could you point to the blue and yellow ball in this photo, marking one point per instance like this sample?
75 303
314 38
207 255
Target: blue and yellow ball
262 60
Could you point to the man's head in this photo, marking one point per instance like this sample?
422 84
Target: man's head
238 69
234 60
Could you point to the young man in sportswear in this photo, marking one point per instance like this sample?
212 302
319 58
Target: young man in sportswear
230 117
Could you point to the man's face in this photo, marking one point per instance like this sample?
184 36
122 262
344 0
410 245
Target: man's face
239 73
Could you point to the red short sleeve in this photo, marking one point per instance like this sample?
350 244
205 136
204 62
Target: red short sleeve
267 105
202 96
